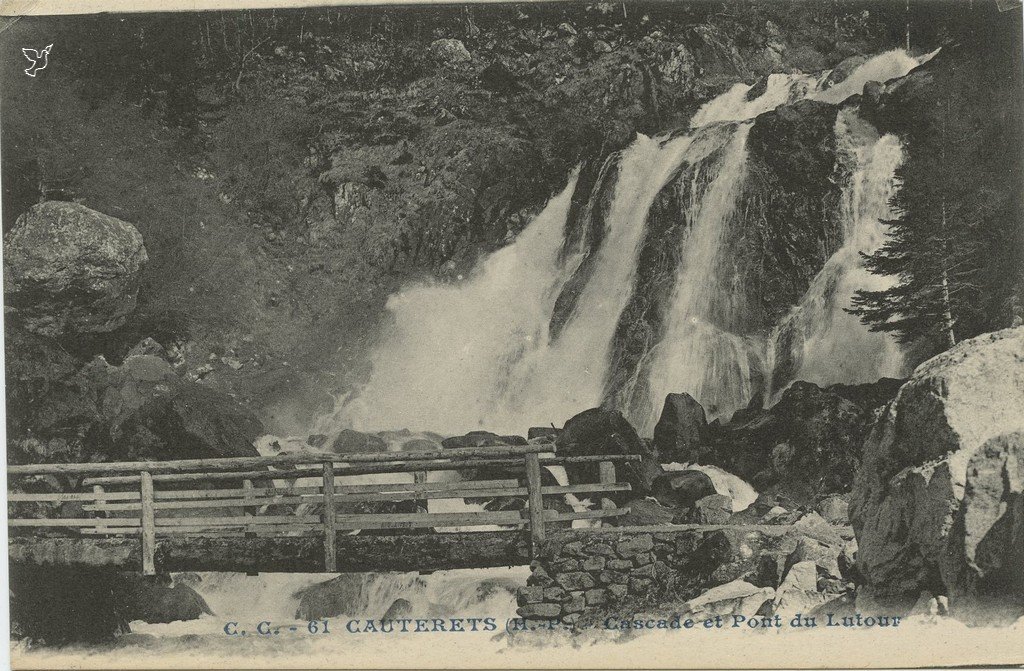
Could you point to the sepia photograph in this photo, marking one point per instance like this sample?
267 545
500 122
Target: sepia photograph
645 334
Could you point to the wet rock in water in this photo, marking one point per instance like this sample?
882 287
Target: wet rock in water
316 440
682 429
420 445
845 68
159 601
69 269
733 598
353 442
482 439
927 494
398 609
543 432
600 431
682 489
713 509
330 598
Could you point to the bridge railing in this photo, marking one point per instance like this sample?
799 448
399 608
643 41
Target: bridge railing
303 494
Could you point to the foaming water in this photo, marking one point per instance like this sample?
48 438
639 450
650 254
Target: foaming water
820 341
741 493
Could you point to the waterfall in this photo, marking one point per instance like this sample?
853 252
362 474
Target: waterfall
819 341
631 289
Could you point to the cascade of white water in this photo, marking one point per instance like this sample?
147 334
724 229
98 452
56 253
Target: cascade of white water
819 341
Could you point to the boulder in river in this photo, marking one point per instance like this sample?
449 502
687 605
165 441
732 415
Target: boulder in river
482 439
600 431
682 489
350 442
939 488
72 270
681 430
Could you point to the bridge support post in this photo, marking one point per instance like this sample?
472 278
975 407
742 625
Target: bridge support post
536 503
606 473
419 478
330 533
148 525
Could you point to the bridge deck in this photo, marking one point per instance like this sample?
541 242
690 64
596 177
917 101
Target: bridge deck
299 512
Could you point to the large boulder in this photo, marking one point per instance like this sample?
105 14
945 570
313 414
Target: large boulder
919 526
682 489
682 428
69 269
160 600
600 431
148 412
139 410
807 445
349 442
985 554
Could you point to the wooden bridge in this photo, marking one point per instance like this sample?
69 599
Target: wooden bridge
298 512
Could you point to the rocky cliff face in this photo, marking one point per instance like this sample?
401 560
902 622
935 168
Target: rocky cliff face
928 507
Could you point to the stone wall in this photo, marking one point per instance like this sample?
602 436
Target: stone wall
578 577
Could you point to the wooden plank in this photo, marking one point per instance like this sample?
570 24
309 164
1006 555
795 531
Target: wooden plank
64 497
148 526
237 463
330 558
427 520
235 521
586 489
555 516
536 503
606 473
245 504
71 522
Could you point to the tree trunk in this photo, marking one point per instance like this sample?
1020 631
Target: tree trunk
947 311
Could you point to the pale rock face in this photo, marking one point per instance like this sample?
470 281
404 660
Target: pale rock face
906 500
733 598
69 269
450 50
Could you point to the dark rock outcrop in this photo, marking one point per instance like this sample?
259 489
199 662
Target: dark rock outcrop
682 489
807 445
69 269
349 441
935 497
139 410
682 428
159 600
600 431
57 606
482 439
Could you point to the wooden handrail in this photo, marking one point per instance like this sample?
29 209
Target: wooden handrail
370 469
234 463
